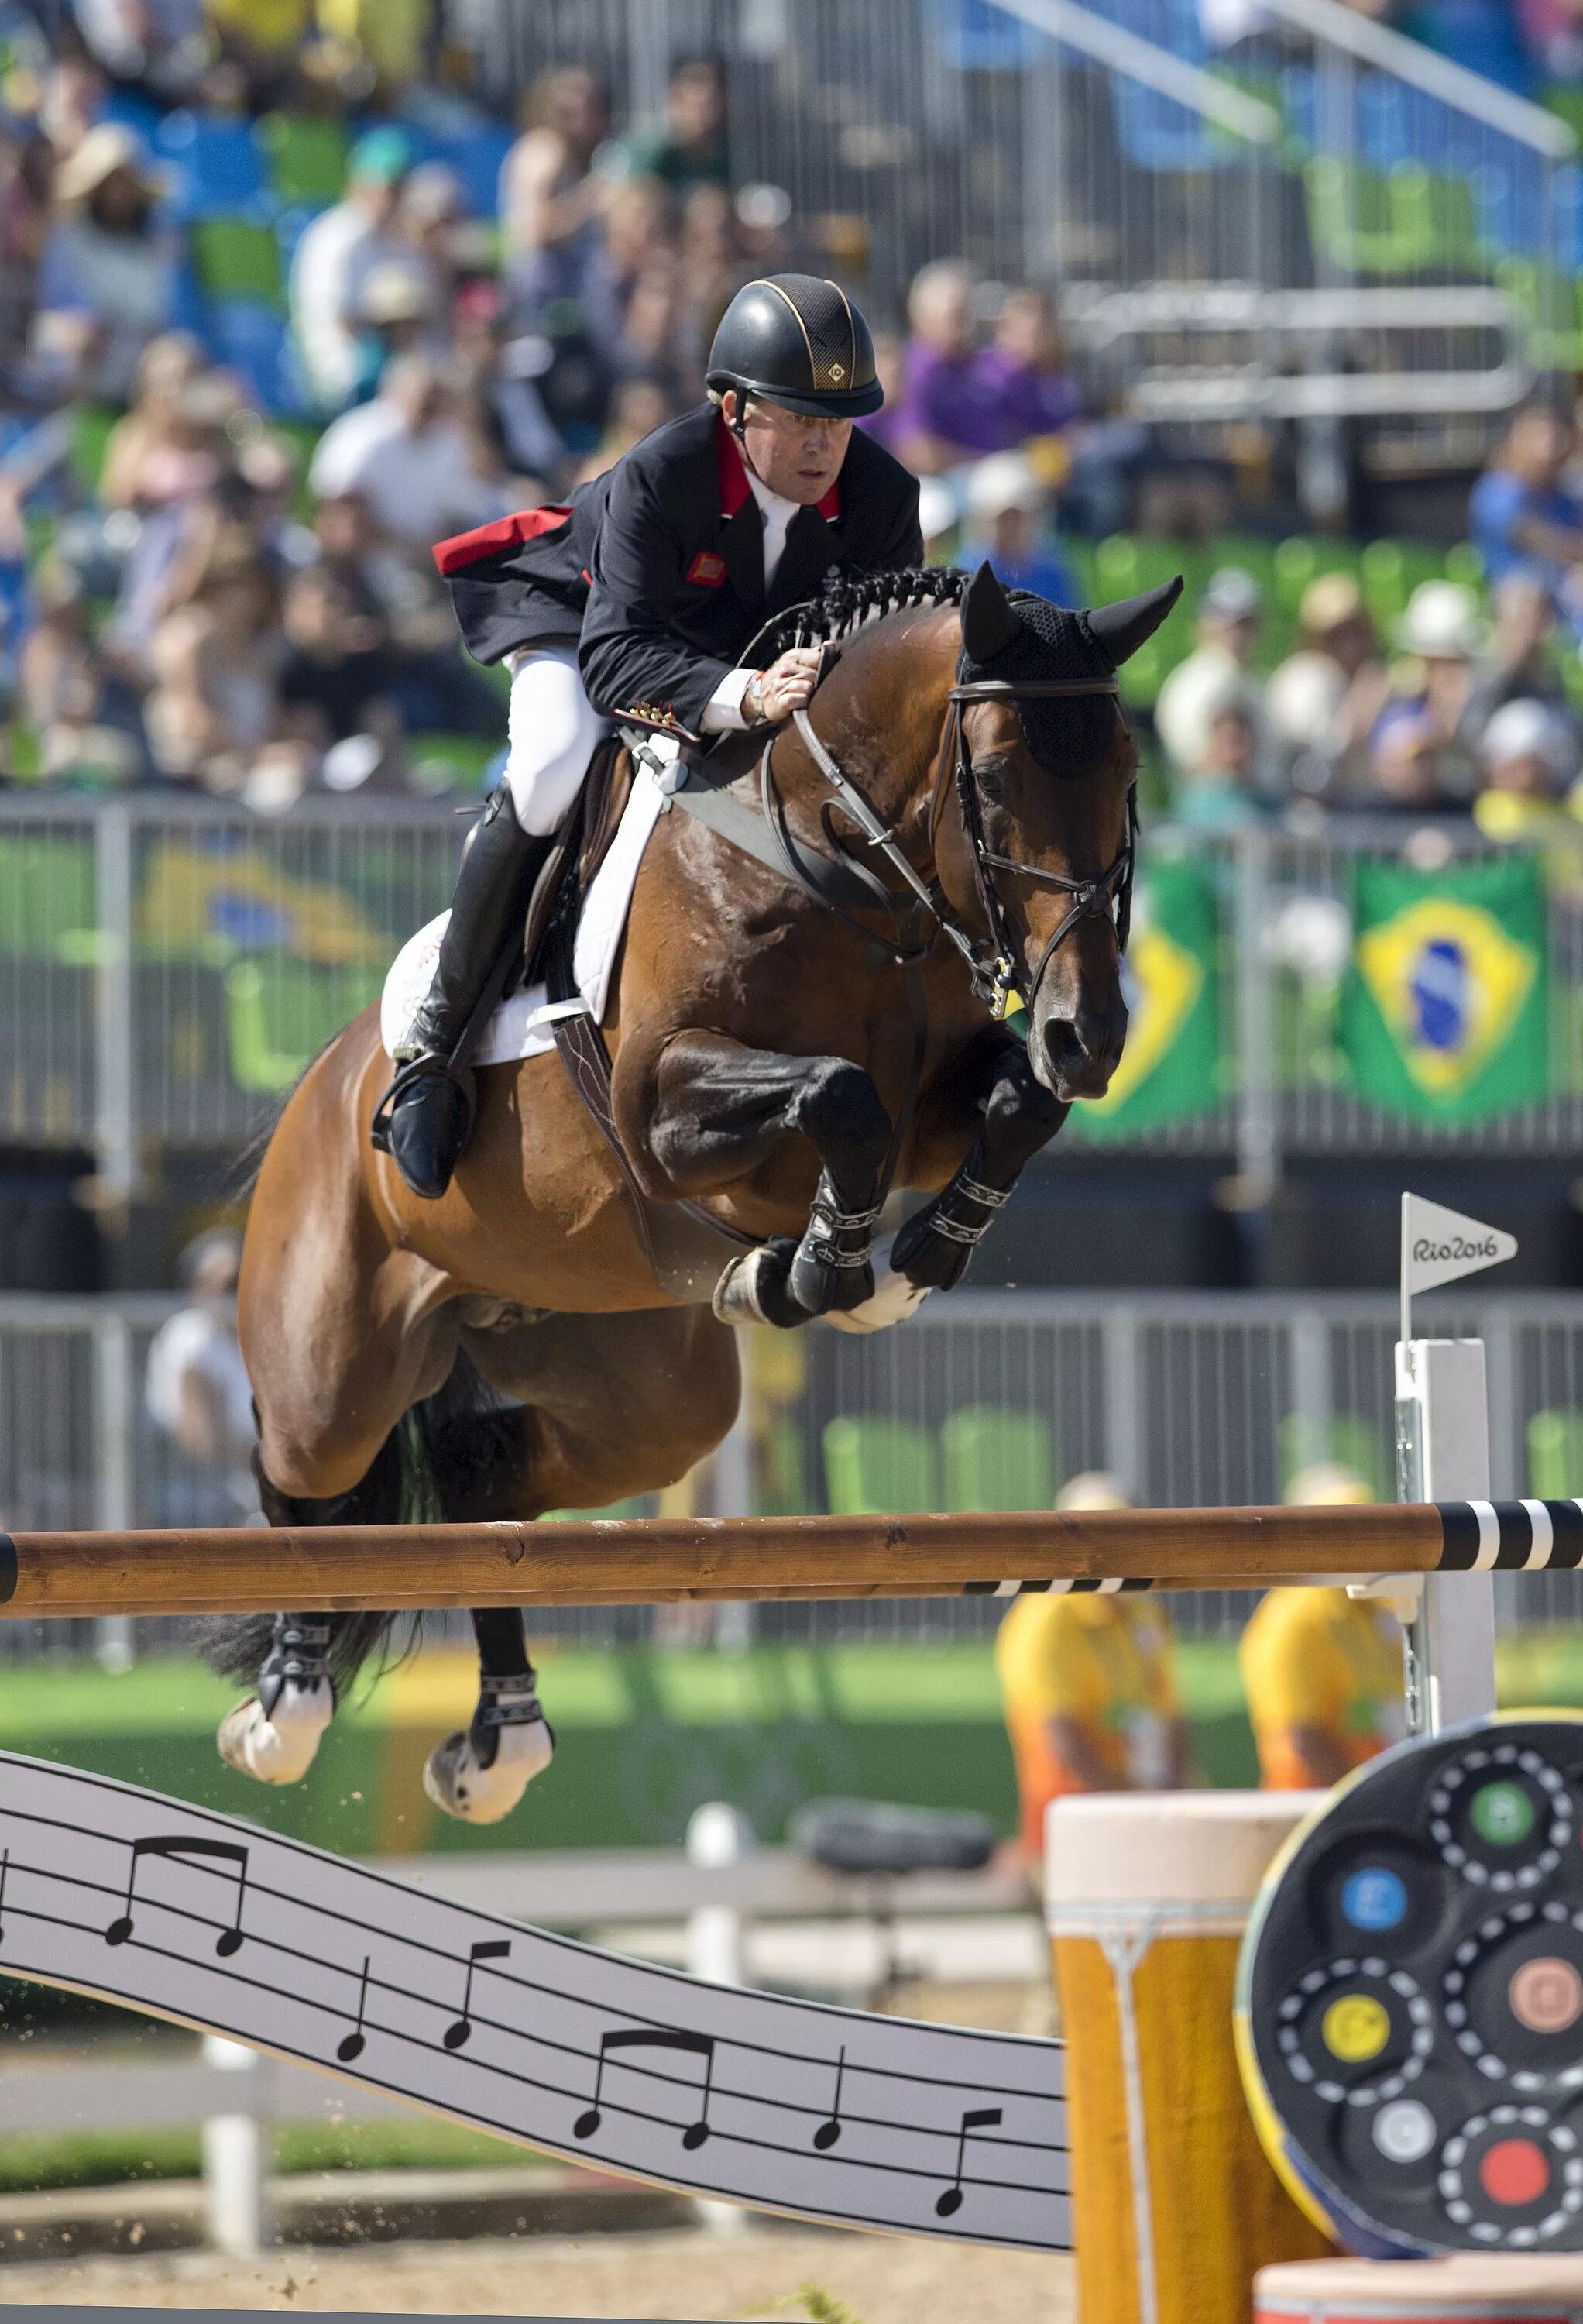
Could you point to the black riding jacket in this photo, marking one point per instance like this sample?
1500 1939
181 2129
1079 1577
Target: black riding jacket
656 569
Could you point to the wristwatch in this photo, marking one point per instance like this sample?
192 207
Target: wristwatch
753 698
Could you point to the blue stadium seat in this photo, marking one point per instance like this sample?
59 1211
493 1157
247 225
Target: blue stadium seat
477 154
1514 214
1400 124
214 161
976 36
1156 132
249 338
1482 34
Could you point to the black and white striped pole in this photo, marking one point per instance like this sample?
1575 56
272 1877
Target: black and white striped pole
1442 1455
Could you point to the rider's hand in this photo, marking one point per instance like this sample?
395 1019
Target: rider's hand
787 685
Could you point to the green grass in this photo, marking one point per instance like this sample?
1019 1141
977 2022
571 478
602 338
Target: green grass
111 2158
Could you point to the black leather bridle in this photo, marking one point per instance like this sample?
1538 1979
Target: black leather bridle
1108 897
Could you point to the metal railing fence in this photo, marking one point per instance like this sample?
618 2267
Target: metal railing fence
167 970
984 1399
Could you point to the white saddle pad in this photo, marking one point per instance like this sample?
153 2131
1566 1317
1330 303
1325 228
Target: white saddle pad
523 1026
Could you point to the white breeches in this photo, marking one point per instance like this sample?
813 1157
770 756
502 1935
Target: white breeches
554 731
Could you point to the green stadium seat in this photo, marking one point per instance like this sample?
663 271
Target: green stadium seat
1390 571
1347 1440
306 157
1463 563
237 258
279 1013
1402 221
1555 1456
995 1457
877 1467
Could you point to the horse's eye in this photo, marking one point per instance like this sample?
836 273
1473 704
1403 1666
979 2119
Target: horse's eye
991 774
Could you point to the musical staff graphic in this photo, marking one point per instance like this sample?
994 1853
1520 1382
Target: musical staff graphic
490 1949
227 1852
825 2136
792 2106
352 2045
977 2118
697 2045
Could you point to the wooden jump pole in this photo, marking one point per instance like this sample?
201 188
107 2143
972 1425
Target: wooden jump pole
645 1562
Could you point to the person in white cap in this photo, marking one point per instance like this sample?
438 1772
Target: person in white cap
1230 615
1528 751
1006 506
1441 633
108 277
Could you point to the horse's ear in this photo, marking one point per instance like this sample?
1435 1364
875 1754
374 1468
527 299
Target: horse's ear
989 625
1120 630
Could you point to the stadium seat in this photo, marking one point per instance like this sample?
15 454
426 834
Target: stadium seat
1555 1456
477 155
1397 123
875 1466
250 339
1522 213
279 1012
237 258
1407 220
995 1457
304 157
214 161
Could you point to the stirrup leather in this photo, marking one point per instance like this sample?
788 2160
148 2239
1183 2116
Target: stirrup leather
408 1077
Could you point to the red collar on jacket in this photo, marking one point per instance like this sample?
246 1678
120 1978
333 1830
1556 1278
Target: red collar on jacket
734 488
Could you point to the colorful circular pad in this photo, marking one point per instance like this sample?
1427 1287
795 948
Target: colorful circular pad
1409 1997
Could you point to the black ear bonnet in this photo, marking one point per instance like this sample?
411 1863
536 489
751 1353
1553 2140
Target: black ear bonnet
1067 735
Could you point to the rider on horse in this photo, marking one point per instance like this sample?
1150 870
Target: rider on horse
636 602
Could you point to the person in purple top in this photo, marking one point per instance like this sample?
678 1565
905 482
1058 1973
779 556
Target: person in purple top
1022 373
945 415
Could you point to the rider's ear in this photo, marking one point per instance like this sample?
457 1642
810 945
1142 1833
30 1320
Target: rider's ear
1120 630
989 625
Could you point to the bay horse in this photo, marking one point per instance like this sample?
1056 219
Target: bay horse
779 1059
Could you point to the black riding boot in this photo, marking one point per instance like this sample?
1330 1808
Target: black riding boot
425 1118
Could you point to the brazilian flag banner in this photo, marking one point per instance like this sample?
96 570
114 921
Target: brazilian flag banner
1171 1065
1444 1009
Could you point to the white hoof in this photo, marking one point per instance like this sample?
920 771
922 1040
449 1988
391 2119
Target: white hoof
278 1750
892 1301
456 1780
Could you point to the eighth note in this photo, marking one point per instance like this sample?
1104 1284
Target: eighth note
825 2136
979 2118
224 1851
352 2045
696 2045
491 1948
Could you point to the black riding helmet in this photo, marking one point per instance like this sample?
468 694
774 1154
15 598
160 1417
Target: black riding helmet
797 341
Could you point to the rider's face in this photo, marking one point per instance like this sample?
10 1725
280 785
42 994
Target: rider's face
797 456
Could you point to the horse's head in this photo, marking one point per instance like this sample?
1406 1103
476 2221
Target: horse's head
1044 770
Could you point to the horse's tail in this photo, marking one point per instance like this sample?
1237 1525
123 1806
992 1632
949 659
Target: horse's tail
455 1456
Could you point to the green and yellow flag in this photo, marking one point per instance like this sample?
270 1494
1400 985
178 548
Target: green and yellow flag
1443 1015
1171 1065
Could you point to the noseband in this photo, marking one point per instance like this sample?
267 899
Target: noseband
1110 896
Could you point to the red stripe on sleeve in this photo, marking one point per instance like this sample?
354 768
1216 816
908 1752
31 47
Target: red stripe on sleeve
490 539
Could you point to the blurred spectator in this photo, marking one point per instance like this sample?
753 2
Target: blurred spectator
1419 754
1552 31
1022 373
1522 516
159 45
429 221
1231 616
107 275
552 194
937 521
1516 665
338 663
409 456
635 248
217 661
373 47
1528 756
337 254
1007 508
943 417
709 271
689 147
1323 700
196 1387
166 368
1088 1686
637 409
501 371
262 41
1217 790
26 167
1321 1670
87 721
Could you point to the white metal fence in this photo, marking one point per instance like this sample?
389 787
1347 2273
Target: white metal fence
166 970
988 1398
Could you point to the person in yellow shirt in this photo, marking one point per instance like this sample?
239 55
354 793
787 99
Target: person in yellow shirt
1322 1670
1088 1684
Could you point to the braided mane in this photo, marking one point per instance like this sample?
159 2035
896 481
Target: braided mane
849 605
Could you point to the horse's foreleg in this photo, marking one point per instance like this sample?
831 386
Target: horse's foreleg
1016 1116
723 1111
479 1774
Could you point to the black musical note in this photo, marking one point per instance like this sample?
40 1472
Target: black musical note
977 2118
696 2045
352 2046
491 1948
825 2136
225 1851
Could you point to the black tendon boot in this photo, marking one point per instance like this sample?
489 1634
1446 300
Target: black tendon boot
424 1117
